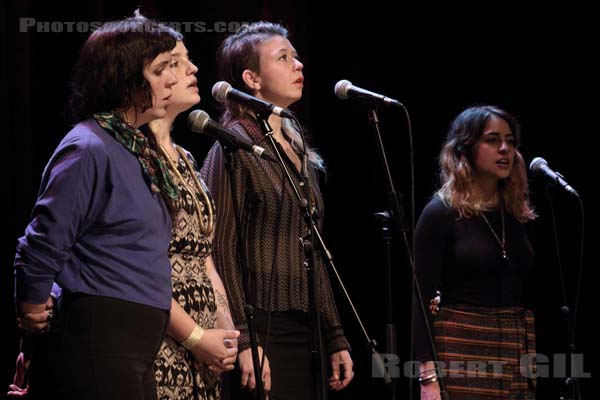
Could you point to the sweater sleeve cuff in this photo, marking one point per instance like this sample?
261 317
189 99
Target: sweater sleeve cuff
336 341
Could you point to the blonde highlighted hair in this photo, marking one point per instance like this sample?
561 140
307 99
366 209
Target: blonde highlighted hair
458 190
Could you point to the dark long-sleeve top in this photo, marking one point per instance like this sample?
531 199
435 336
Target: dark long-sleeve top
97 227
463 259
272 225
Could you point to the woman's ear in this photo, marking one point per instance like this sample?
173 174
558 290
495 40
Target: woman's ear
251 79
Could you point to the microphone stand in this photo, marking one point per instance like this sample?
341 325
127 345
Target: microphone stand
317 352
397 214
317 240
390 327
317 356
570 381
248 308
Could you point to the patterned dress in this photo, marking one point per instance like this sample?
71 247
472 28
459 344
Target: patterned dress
178 375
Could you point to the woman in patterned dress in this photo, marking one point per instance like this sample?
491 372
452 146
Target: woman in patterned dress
199 297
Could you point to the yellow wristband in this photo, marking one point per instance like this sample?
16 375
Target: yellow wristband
194 338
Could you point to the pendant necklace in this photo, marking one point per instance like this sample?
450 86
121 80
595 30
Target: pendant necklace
502 242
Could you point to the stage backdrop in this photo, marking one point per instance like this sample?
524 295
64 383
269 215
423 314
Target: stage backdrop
437 60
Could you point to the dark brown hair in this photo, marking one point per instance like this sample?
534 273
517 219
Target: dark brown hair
240 52
109 73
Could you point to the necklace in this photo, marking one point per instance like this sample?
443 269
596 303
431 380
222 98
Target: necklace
205 227
502 242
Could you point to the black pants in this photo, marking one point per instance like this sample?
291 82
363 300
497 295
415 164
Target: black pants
288 351
98 348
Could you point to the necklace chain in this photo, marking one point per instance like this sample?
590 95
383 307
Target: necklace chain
207 227
502 242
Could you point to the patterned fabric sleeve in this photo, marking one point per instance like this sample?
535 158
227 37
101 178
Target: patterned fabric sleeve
334 334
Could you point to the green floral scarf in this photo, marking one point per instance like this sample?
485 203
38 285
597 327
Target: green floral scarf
136 142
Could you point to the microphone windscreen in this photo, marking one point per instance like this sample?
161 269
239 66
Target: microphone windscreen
341 89
219 91
536 165
197 120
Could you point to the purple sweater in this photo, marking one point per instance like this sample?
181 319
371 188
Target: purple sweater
96 227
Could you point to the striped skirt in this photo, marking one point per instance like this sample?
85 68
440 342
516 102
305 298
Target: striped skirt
486 352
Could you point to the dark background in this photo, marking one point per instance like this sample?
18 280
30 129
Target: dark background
437 60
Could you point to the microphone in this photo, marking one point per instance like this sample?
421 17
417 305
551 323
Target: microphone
199 121
539 166
344 90
222 91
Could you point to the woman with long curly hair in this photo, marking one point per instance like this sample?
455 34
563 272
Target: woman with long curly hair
471 245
